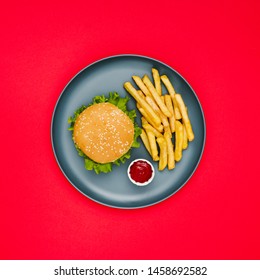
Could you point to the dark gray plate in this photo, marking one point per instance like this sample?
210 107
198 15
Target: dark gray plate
115 189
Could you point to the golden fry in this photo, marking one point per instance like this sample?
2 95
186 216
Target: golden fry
152 129
156 96
157 81
157 110
172 93
168 85
185 139
178 140
147 117
146 141
170 152
141 94
177 112
141 85
153 146
185 117
145 106
168 103
163 152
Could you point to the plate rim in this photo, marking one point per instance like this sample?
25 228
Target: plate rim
55 109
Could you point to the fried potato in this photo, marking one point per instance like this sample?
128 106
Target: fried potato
147 117
170 152
145 106
145 140
178 140
157 110
168 85
156 96
153 146
141 94
157 81
163 153
141 85
185 139
172 93
185 117
168 103
177 112
147 127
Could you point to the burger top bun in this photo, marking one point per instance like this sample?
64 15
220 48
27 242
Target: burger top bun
103 132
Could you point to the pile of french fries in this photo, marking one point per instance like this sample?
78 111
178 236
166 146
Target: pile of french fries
166 127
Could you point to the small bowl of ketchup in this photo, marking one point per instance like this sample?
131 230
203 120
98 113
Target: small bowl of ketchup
140 172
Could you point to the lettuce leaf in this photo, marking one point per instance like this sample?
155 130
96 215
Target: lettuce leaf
121 103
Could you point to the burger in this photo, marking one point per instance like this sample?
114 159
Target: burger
104 132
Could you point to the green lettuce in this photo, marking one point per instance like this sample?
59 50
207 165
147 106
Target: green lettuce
121 103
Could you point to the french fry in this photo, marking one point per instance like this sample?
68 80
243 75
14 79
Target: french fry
147 127
147 117
168 85
177 112
141 94
163 153
185 117
141 85
170 152
144 120
157 110
185 139
168 103
157 81
172 93
145 140
178 140
156 96
145 106
153 146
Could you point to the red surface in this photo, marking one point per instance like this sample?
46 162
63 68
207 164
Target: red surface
214 45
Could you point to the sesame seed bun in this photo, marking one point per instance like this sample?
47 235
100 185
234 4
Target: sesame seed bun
103 132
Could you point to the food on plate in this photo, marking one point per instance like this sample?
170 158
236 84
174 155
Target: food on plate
185 117
145 140
104 132
168 103
166 81
140 172
146 107
156 96
178 140
163 152
157 82
166 127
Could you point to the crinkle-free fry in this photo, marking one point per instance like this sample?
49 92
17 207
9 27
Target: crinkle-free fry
185 139
145 140
185 117
156 96
166 81
153 146
147 117
170 152
163 153
147 126
168 103
157 81
141 85
132 91
178 140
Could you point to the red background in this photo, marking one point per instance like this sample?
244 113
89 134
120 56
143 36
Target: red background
214 45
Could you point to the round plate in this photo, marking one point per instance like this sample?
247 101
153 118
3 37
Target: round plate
115 189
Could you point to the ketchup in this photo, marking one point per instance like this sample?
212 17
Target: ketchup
141 171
